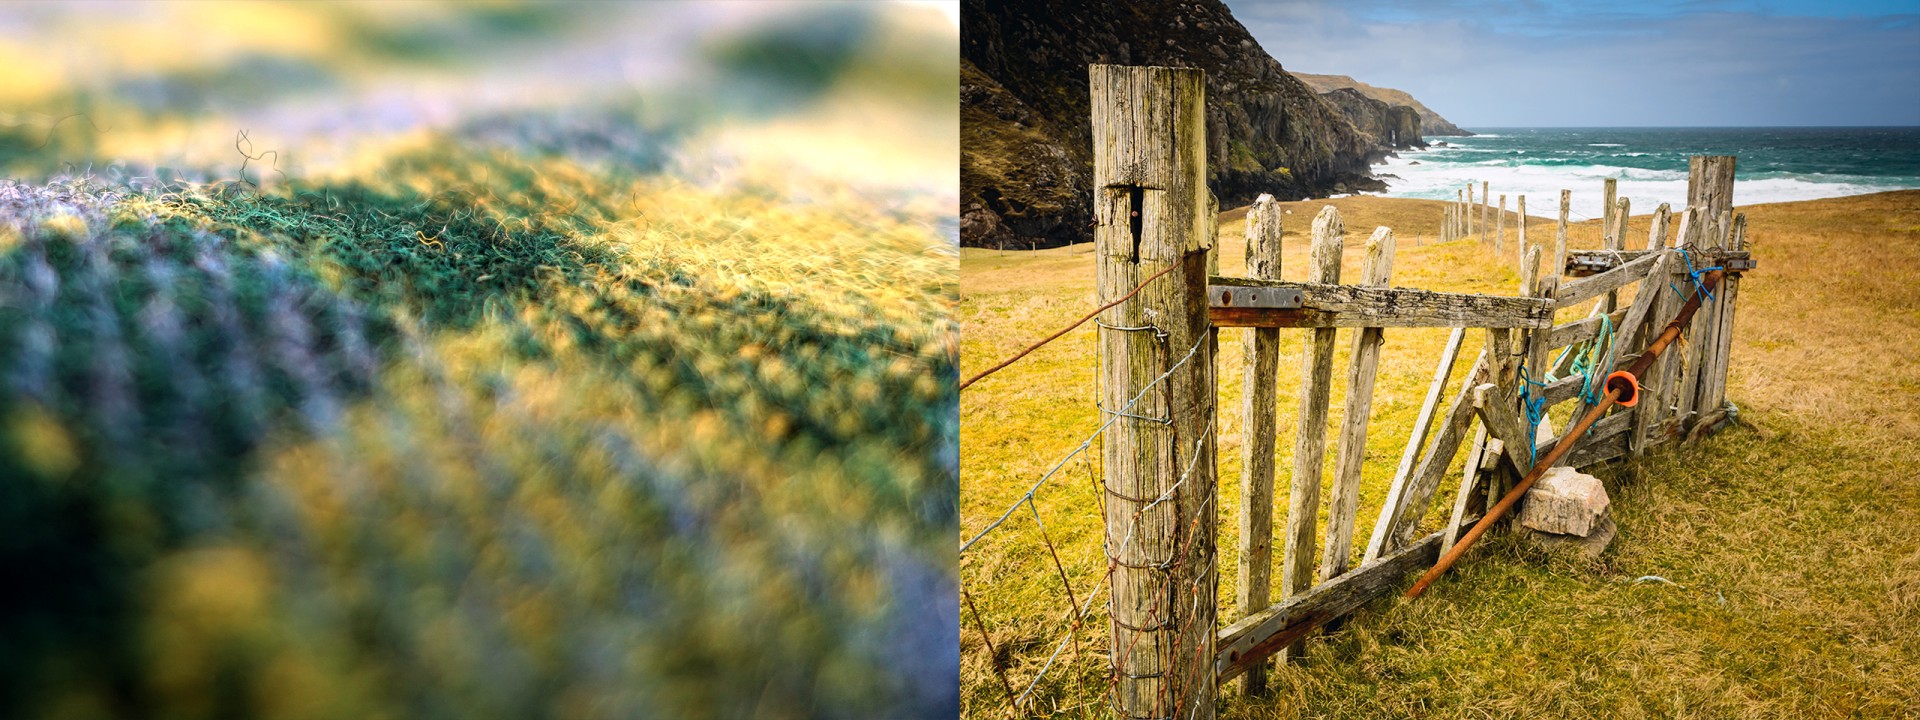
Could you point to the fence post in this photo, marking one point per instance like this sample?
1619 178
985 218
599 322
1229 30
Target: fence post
1262 382
1484 200
1609 189
1616 241
1150 171
1500 227
1710 184
1520 244
1310 435
1469 208
1729 295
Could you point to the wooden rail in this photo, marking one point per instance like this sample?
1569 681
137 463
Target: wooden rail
1325 305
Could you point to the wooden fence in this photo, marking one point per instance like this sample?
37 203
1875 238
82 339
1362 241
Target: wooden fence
1154 213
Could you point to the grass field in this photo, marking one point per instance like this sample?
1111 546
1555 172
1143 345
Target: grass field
1789 537
422 403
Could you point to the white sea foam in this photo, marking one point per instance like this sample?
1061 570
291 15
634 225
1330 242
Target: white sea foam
1439 176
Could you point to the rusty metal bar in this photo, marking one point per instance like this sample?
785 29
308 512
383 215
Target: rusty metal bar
1614 391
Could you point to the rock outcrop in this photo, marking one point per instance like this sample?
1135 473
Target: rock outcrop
1431 124
1392 127
1026 162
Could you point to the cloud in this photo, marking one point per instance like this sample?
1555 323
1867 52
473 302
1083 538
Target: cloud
1523 63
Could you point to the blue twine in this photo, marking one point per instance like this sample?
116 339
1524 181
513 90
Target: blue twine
1535 409
1695 274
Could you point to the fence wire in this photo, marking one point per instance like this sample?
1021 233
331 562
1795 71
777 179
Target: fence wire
1023 697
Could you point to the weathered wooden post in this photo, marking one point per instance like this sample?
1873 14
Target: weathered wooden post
1710 186
1616 241
1469 208
1723 333
1500 227
1310 435
1460 213
1150 203
1351 449
1483 211
1520 244
1262 382
1609 189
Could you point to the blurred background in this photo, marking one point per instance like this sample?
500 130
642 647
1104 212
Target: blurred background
478 360
852 91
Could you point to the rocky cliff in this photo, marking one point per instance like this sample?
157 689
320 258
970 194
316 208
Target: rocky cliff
1026 164
1430 122
1392 127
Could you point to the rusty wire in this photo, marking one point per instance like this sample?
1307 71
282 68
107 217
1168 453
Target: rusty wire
1069 328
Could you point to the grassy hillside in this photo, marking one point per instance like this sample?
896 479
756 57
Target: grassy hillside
1430 122
1798 579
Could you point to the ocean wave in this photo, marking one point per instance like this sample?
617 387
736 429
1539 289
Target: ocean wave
1605 145
1646 188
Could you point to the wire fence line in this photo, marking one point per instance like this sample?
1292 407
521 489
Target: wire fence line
1022 696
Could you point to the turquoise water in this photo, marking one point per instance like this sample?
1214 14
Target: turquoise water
1775 165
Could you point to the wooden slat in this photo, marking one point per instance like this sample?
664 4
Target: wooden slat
1330 306
1396 491
1592 453
1310 435
1587 263
1580 331
1627 329
1469 481
1439 455
1259 411
1714 390
1687 353
1245 643
1587 288
1608 428
1616 240
1350 450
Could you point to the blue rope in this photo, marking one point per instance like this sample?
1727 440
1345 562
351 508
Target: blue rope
1535 409
1695 275
1585 364
1588 361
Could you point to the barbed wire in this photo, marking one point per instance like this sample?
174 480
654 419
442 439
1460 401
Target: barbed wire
1087 443
1069 328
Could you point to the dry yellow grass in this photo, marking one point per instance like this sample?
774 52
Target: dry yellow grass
1790 536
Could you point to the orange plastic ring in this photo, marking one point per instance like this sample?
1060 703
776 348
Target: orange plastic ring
1630 394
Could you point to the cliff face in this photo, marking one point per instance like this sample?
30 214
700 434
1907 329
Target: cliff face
1430 122
1392 127
1026 162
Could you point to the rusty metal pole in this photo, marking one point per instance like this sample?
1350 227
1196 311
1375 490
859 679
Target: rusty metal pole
1614 392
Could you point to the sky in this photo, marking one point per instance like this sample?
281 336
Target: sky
1525 63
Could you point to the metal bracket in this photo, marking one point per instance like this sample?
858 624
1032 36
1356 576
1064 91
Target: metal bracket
1237 296
1739 264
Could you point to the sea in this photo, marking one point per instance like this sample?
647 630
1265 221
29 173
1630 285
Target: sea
1775 164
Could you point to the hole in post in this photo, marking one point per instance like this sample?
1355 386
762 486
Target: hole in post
1136 201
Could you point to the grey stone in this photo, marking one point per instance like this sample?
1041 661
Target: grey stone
1591 546
1564 501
